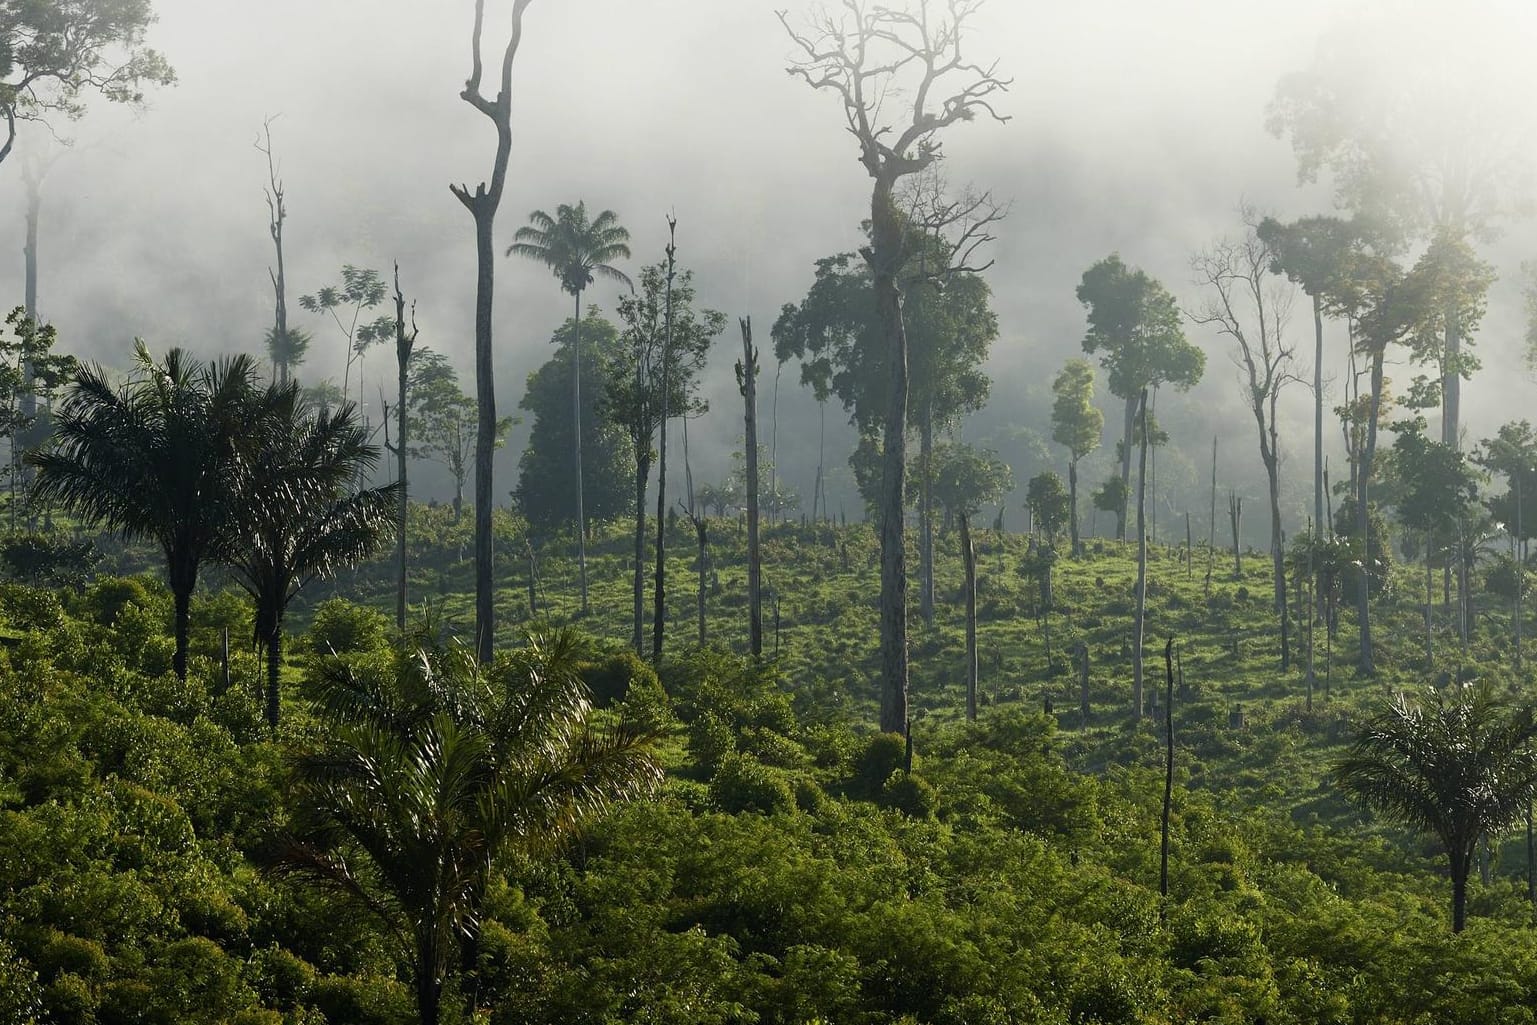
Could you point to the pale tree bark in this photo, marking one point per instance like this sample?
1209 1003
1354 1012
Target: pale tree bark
277 217
863 52
926 518
482 203
659 601
702 538
969 555
747 374
405 342
1244 304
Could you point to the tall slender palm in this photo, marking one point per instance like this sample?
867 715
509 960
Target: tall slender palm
434 769
297 513
576 249
156 459
1455 762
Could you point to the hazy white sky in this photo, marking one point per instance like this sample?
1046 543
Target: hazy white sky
1136 126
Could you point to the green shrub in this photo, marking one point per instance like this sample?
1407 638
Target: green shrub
710 740
344 628
612 679
884 753
910 794
744 784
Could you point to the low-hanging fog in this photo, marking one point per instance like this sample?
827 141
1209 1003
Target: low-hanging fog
1135 127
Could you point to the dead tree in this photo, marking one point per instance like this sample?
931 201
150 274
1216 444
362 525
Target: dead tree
1140 622
283 344
969 556
482 203
1235 517
702 538
659 600
746 379
866 52
405 342
1250 304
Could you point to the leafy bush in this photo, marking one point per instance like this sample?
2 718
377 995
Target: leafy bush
744 784
344 628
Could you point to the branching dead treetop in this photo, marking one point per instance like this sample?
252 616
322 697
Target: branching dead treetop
889 65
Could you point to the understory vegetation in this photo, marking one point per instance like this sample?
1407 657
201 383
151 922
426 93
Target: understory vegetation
791 867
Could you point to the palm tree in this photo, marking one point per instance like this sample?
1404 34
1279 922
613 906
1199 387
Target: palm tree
155 459
286 349
297 516
576 249
1456 762
436 767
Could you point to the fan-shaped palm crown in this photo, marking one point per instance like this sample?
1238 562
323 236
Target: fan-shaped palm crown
1456 762
299 513
156 459
573 247
435 767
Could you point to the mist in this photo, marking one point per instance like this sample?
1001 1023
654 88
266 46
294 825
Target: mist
1133 128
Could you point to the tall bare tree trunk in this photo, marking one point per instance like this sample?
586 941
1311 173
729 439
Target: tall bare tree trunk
482 204
1126 440
926 519
1072 505
638 576
1318 412
1451 380
886 258
747 372
702 537
1168 768
576 447
1141 614
1235 517
404 344
969 555
659 605
1520 567
1211 533
1363 521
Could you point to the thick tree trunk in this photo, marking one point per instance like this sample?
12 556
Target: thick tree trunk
1141 613
886 259
1235 517
182 582
754 562
637 634
576 447
969 555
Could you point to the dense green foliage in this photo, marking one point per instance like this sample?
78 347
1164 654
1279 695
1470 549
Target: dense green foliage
790 869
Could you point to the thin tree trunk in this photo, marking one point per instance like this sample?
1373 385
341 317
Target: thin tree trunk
969 554
1235 517
820 493
1211 534
1141 615
1363 521
1520 567
642 473
1072 505
701 535
576 446
1168 770
1278 551
1130 425
1318 411
886 249
1430 598
1451 380
482 204
926 517
404 344
659 604
749 374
